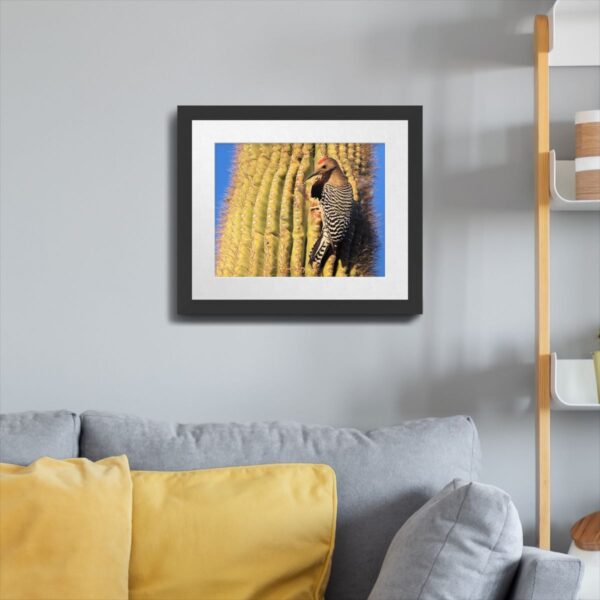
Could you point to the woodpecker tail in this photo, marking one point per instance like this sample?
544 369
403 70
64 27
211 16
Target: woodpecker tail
320 251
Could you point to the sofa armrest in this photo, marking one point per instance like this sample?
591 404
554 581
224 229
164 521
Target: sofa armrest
545 575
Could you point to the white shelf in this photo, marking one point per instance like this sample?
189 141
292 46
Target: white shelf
562 187
574 33
573 384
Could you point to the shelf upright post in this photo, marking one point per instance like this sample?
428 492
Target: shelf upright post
542 275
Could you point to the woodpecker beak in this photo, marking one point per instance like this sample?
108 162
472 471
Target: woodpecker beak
311 176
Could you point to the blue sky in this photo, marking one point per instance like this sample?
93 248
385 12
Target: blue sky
379 207
225 155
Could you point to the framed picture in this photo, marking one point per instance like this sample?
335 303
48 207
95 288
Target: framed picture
299 210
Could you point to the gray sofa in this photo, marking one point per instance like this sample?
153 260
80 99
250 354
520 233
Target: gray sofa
383 476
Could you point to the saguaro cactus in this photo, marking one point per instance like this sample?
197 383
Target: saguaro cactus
267 227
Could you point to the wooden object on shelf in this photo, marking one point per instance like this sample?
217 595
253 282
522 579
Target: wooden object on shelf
587 133
587 178
588 183
587 154
587 139
542 245
586 532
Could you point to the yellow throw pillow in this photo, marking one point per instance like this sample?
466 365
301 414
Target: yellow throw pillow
65 530
241 533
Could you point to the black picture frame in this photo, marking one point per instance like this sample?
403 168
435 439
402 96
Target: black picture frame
413 305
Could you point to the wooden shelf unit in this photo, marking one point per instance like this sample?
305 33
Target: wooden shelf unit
542 276
567 37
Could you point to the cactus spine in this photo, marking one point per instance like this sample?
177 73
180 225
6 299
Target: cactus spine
267 227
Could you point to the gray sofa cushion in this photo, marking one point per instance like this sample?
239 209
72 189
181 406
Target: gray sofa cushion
464 544
383 476
545 575
27 436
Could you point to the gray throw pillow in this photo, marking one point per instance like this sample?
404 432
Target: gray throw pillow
27 436
464 544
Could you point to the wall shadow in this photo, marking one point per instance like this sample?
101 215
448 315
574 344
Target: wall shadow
492 35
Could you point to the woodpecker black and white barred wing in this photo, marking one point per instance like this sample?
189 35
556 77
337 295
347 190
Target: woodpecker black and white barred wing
337 204
337 209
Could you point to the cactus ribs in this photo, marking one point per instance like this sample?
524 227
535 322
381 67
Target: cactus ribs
273 217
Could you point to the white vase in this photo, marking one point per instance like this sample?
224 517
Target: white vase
590 584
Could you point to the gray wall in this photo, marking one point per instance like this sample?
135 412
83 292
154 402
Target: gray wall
89 91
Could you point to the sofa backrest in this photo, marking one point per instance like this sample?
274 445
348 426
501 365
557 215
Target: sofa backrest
27 436
383 476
